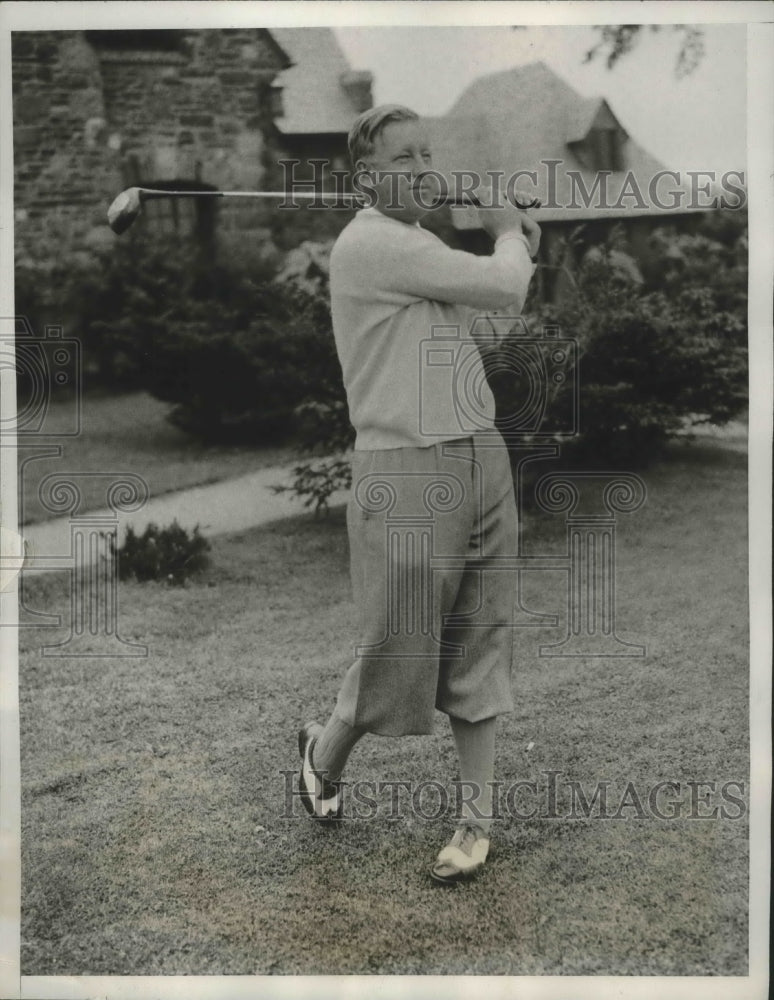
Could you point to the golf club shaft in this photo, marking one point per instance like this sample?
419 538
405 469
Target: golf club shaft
126 206
146 194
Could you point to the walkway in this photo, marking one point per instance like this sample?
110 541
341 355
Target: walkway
218 508
230 505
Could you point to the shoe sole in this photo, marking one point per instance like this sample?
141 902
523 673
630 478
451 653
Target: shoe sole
461 877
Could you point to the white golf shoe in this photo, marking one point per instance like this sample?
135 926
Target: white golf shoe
463 857
321 797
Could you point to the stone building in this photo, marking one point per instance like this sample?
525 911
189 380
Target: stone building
99 111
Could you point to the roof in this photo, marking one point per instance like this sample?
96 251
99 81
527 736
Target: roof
314 99
591 111
517 119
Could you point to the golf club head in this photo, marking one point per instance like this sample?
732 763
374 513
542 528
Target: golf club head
124 209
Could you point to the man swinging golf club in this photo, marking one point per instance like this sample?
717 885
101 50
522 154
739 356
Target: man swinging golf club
432 636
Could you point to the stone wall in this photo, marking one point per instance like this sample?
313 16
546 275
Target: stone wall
66 167
94 114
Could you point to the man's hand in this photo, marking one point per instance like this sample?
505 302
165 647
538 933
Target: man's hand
507 218
531 230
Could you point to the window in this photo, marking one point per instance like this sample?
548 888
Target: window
191 219
276 102
605 146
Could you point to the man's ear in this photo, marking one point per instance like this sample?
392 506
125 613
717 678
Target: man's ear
361 167
363 177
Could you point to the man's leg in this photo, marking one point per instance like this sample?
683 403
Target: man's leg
334 746
324 752
477 685
474 689
476 750
391 686
469 846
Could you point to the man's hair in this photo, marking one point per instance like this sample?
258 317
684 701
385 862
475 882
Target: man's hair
368 126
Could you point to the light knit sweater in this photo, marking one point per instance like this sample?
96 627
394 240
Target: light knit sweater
404 305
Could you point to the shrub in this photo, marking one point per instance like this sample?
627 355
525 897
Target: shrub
316 482
322 419
122 304
171 554
657 355
236 353
240 374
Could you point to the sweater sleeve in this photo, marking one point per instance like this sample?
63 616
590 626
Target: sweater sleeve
427 268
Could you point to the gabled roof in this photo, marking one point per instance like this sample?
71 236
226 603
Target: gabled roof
313 98
592 112
516 119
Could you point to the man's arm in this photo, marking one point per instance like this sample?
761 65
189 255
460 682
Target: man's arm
428 269
492 333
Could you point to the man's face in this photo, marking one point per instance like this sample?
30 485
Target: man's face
402 154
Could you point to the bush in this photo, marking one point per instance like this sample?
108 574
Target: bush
655 355
322 419
111 304
240 374
121 305
170 554
236 353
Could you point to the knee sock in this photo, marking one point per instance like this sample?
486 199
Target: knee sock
475 747
334 746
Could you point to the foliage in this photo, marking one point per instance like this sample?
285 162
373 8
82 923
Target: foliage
122 304
170 554
249 356
316 482
238 371
617 40
322 420
657 354
236 352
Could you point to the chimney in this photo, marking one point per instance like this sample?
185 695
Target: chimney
357 84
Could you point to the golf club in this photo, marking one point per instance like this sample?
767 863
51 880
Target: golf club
125 208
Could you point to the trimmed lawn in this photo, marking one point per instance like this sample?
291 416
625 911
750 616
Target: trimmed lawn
129 433
156 838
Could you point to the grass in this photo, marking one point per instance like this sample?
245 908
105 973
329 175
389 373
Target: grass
153 836
130 433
